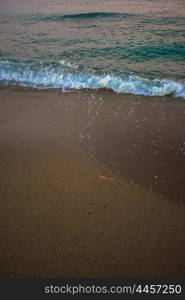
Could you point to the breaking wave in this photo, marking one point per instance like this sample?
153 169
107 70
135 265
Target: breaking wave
66 76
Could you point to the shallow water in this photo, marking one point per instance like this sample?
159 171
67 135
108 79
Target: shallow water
133 46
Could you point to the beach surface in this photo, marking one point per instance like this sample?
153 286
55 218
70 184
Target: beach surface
91 184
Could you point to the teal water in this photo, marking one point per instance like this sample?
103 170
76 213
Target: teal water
134 46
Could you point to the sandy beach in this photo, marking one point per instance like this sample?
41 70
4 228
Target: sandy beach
91 185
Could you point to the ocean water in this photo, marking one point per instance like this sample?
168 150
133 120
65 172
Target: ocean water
135 46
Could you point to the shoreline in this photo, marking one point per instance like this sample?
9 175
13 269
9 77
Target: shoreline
58 90
75 202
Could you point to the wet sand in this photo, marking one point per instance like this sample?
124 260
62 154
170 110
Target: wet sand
91 185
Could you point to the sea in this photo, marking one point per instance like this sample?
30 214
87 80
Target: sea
126 46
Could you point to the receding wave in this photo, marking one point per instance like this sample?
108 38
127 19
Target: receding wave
66 76
90 15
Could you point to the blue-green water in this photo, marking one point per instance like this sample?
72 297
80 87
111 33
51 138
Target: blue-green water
134 46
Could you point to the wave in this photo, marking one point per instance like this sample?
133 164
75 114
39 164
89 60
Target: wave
82 16
66 77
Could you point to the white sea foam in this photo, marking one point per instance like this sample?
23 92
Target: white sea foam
65 63
56 76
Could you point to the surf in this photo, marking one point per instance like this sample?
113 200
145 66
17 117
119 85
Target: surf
66 76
